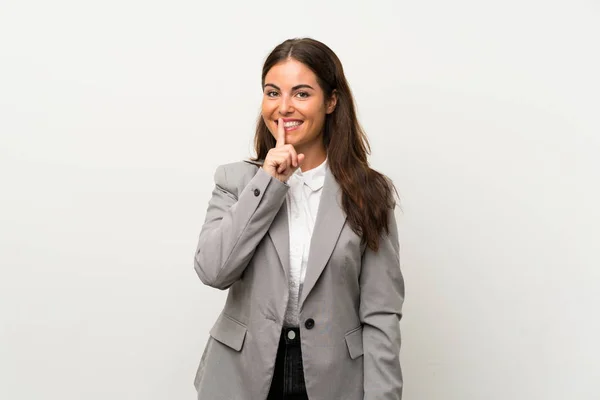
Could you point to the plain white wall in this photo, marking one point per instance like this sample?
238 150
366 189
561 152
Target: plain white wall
114 115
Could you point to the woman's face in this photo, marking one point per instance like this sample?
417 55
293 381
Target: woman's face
291 92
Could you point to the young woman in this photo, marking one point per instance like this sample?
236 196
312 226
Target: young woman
305 239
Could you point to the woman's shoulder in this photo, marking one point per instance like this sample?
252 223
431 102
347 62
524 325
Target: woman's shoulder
242 167
234 176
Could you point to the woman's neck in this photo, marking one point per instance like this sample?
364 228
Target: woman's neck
313 157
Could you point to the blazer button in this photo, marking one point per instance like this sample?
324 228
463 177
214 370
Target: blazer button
256 192
310 323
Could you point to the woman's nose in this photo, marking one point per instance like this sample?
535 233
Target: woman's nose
285 106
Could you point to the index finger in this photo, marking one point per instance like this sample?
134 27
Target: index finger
280 133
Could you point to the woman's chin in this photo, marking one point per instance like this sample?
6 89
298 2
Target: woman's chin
293 140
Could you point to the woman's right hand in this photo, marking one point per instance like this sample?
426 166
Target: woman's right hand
282 160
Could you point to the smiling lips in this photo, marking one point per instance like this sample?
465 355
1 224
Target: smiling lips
291 124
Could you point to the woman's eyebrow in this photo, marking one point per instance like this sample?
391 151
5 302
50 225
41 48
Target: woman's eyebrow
302 86
294 88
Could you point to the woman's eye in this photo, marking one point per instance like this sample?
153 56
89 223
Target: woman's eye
302 95
271 94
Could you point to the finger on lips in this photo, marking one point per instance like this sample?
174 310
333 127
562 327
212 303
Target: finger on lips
280 133
284 155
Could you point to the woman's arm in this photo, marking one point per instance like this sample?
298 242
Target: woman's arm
381 298
234 226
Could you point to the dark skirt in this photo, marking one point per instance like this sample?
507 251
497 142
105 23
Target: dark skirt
288 378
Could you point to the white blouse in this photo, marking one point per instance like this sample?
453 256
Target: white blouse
302 202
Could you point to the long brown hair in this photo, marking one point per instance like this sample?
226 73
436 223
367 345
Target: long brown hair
367 195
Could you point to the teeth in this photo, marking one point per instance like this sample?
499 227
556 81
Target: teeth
290 124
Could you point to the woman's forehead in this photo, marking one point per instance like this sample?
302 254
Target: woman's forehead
292 73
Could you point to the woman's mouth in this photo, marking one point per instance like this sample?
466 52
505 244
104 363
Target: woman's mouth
291 124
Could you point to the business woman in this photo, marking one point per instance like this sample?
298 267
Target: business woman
304 238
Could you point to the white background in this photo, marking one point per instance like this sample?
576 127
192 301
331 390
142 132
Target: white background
115 114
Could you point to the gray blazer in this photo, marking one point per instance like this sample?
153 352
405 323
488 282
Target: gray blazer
349 308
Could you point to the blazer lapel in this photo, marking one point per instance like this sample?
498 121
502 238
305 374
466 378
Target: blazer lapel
328 225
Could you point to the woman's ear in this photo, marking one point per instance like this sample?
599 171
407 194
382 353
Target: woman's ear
332 102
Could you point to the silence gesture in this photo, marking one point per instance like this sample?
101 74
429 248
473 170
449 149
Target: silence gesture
282 160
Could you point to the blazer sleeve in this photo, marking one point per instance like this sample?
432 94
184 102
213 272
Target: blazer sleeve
235 225
381 299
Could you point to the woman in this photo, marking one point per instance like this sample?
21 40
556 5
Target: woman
305 239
